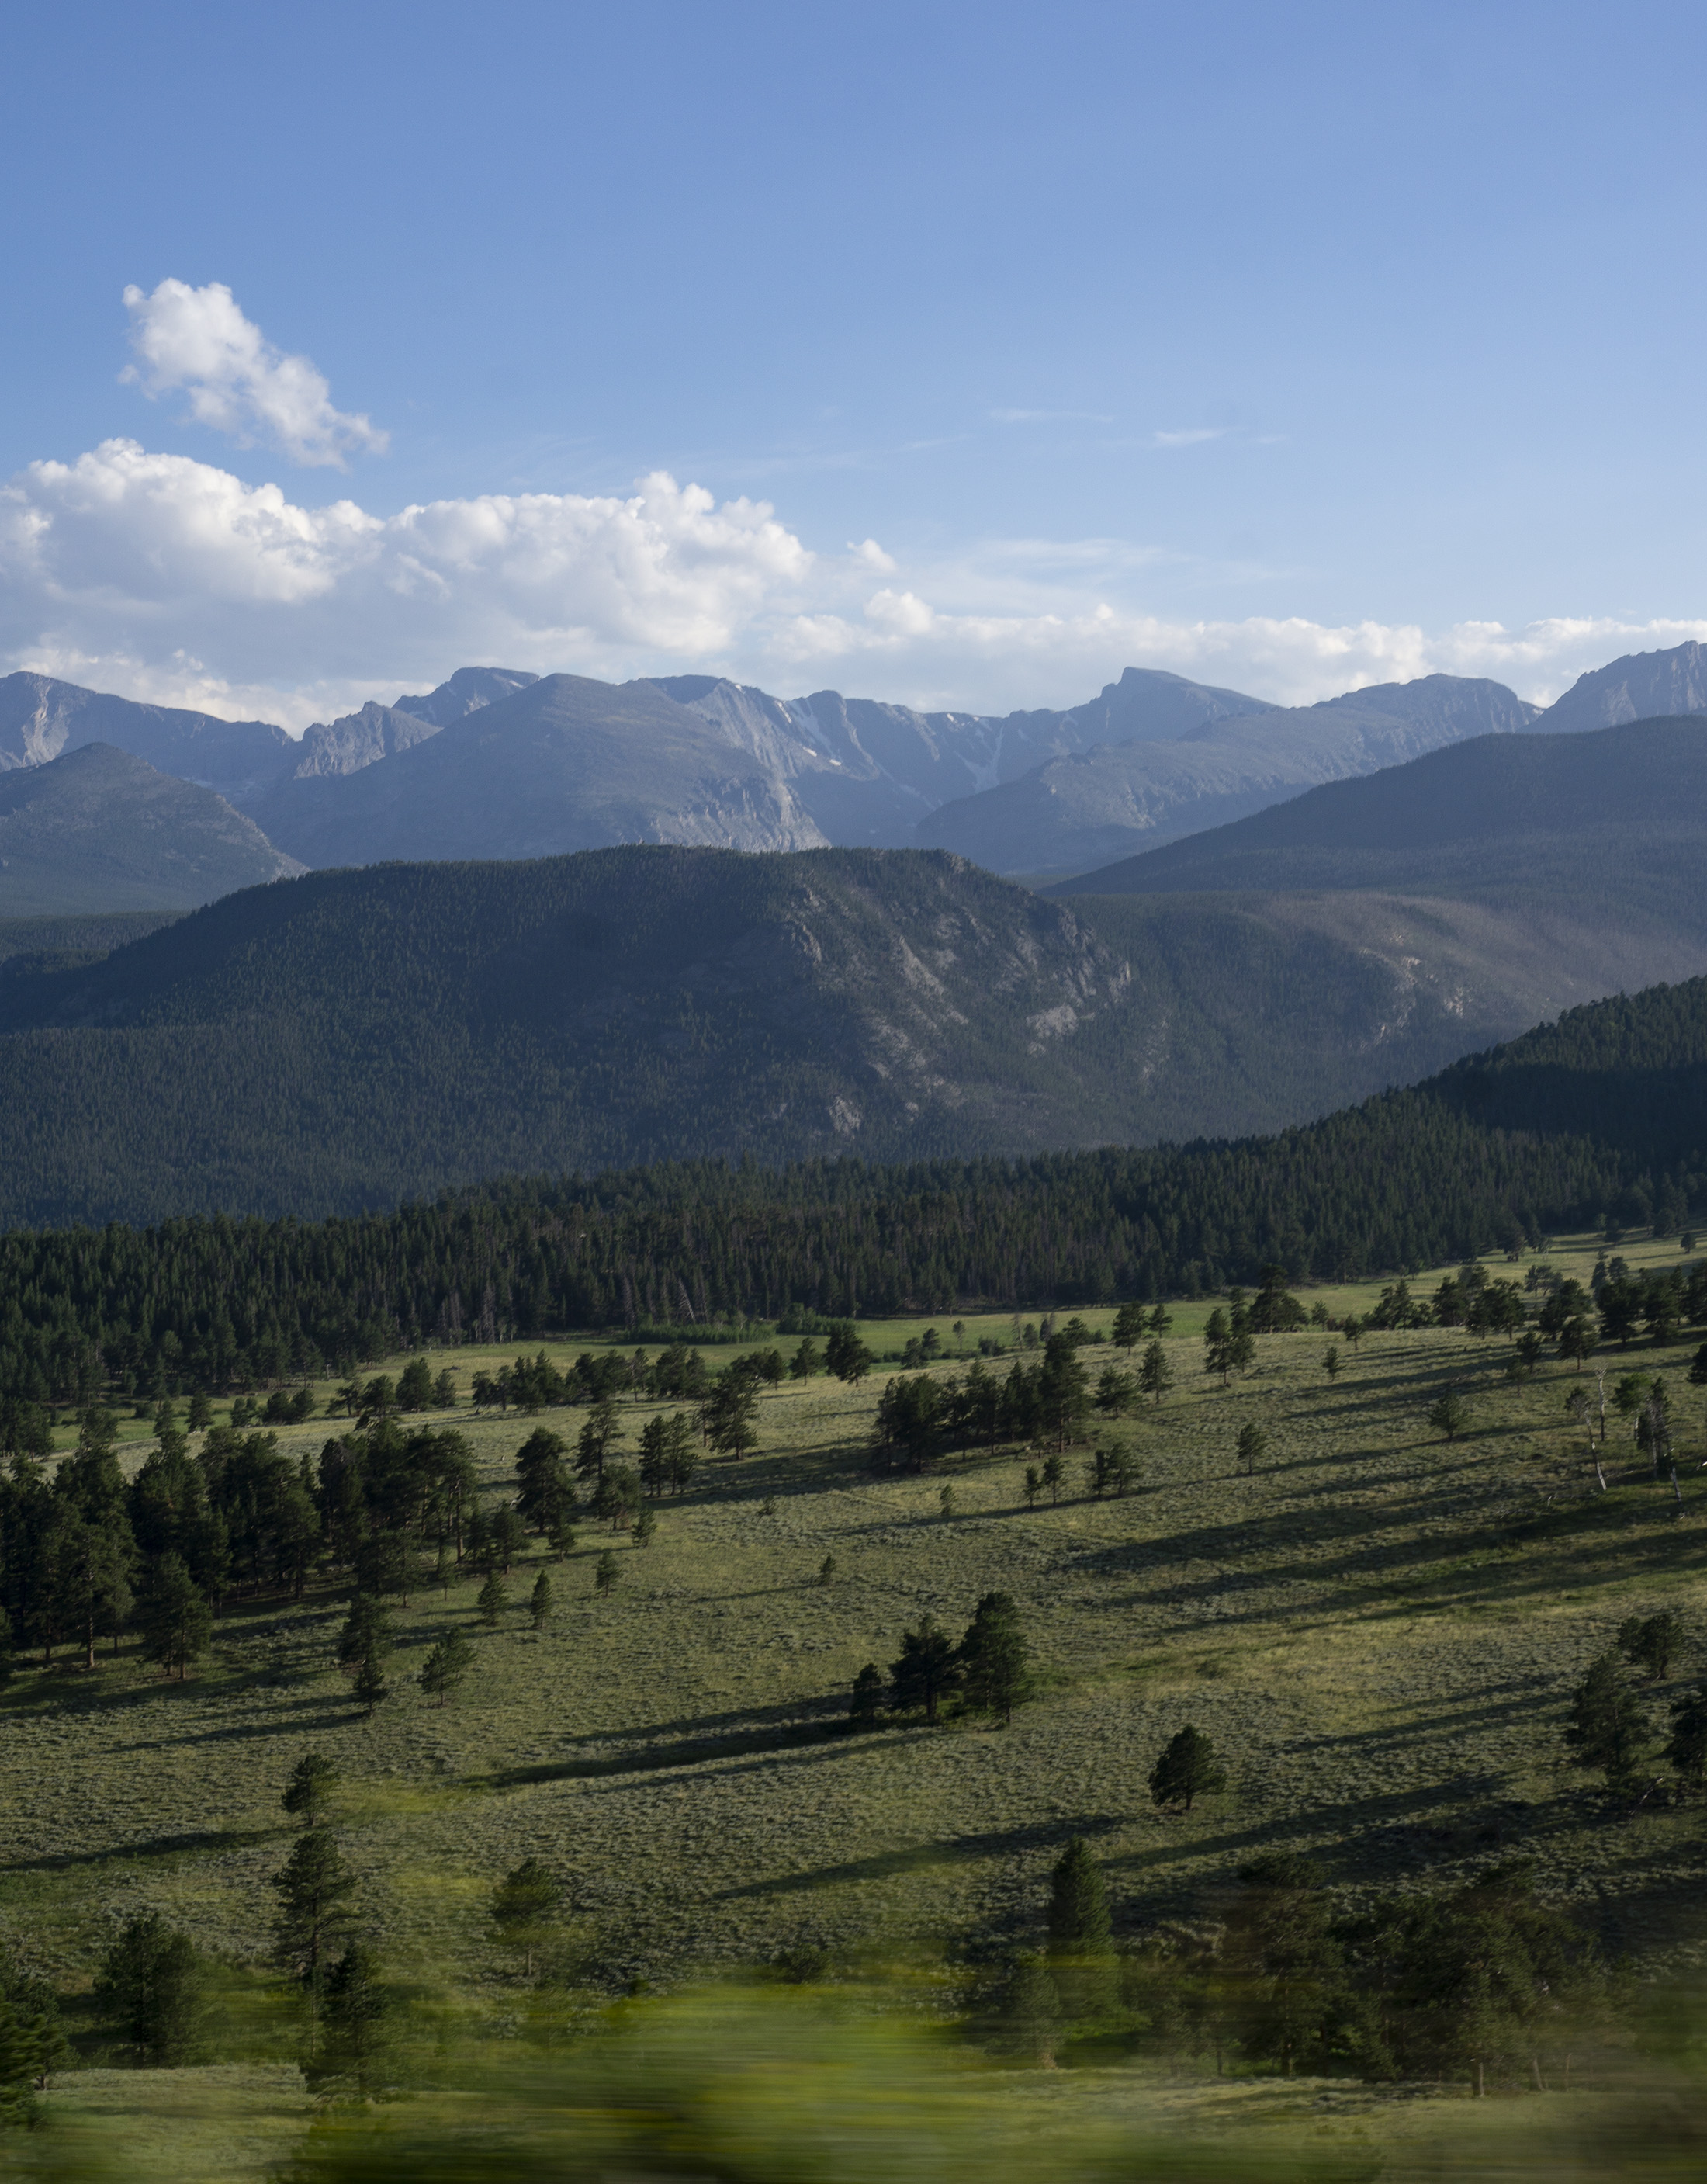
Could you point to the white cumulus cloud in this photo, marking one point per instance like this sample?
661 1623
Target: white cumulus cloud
197 341
162 577
129 562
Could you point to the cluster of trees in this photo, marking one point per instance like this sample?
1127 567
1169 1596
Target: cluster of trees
1481 1981
989 1671
1542 1134
87 1556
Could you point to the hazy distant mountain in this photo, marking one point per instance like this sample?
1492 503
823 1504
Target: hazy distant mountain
868 771
41 718
466 691
99 830
1643 686
1600 814
1088 808
564 763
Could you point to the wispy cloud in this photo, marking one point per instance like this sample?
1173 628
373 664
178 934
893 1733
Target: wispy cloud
197 340
1049 417
1192 436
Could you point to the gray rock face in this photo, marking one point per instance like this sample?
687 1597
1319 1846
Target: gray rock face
1643 686
466 691
40 718
564 763
867 772
359 739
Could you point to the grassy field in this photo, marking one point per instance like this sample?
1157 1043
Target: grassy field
1379 1629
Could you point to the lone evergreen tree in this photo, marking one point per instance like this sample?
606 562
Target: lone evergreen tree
1080 1934
604 1573
1079 1921
539 1603
153 1981
446 1666
1029 2020
644 1528
313 1885
1610 1729
1651 1641
995 1659
370 1686
1155 1375
1449 1414
1188 1770
826 1570
1253 1447
523 1906
366 1635
357 2008
309 1793
493 1600
1130 1322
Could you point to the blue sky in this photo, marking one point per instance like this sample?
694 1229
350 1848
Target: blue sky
1293 347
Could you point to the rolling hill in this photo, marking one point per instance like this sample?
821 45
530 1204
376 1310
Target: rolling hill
97 830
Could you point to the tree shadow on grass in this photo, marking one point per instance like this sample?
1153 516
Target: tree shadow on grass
180 1845
1038 1835
685 1751
334 1717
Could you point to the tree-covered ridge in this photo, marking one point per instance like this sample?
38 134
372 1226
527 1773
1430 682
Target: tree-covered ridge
346 1042
1410 1178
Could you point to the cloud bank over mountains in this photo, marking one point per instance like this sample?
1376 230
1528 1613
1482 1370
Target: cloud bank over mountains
164 577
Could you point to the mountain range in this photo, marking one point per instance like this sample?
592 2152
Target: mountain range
355 1037
539 766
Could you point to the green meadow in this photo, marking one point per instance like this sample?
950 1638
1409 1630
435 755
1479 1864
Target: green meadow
1380 1630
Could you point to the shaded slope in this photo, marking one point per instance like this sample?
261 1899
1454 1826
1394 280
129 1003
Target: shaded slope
1083 811
98 830
1620 810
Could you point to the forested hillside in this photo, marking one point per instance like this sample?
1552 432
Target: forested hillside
1467 1162
437 1024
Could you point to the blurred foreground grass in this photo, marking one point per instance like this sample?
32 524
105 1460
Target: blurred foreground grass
756 2085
